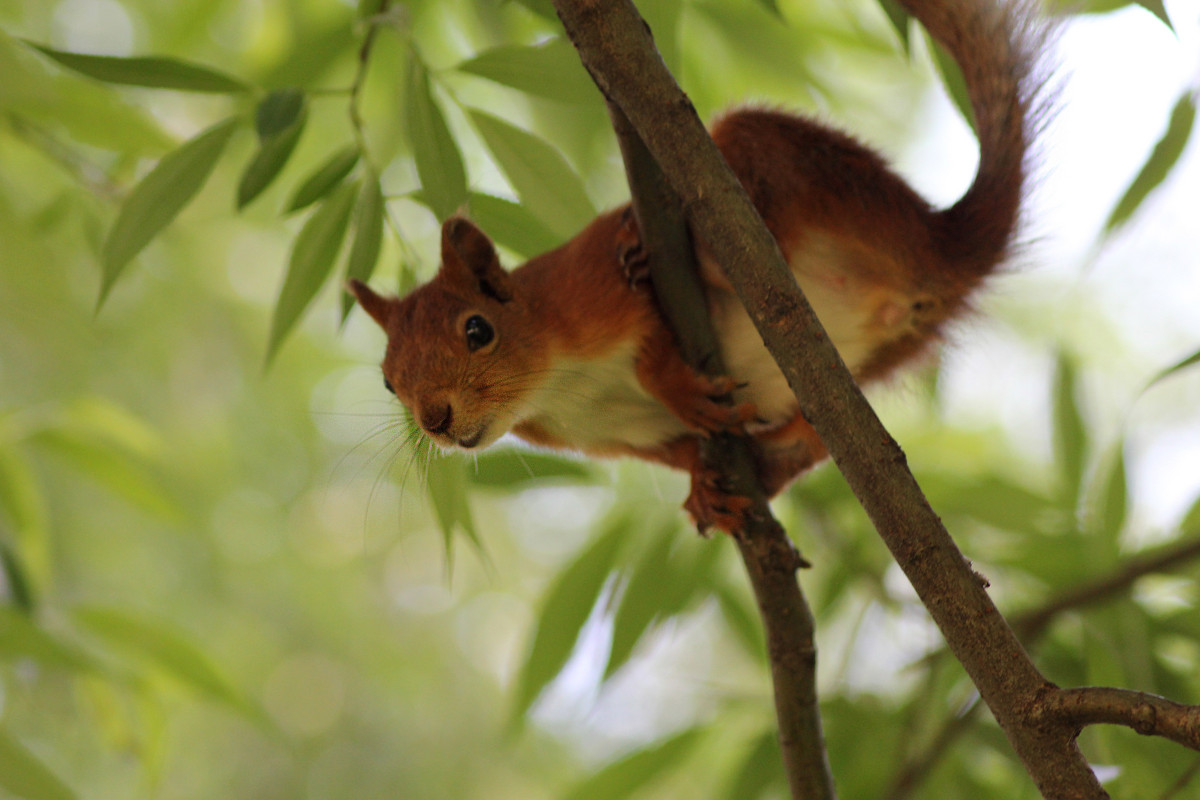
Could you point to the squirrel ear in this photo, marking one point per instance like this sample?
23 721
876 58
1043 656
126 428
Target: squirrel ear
380 308
468 254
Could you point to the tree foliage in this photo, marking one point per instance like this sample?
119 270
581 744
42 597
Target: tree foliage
221 581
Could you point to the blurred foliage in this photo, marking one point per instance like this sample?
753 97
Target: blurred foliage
225 582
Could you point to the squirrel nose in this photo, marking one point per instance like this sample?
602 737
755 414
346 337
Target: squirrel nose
437 418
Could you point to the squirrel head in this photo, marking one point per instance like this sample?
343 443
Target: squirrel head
463 352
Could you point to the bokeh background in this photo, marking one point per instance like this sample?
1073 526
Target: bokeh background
229 578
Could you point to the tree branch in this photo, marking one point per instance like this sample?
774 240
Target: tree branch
1148 714
615 46
768 554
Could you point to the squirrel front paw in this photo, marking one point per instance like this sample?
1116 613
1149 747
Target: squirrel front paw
708 407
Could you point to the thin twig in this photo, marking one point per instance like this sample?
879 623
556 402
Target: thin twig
768 554
1148 714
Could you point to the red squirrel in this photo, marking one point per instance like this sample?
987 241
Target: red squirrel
568 352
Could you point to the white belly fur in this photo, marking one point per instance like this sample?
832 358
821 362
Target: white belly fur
600 402
830 290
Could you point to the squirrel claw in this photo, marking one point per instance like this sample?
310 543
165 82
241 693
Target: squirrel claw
712 506
630 253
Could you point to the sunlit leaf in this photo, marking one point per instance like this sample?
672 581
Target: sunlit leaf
325 178
439 162
1178 366
153 72
757 37
956 85
159 197
512 468
23 507
543 8
565 608
368 237
165 648
24 775
538 173
1158 165
619 780
21 637
446 482
311 260
511 225
274 149
1110 506
761 769
1070 435
34 92
551 69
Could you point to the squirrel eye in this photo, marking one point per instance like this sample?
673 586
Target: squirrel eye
388 385
479 332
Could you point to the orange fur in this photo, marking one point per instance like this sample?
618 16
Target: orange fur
570 350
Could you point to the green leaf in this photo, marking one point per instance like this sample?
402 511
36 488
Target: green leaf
761 769
1178 366
1162 158
565 608
539 174
511 225
86 111
24 775
166 649
513 468
278 111
743 621
17 583
1111 504
159 197
1158 9
619 780
272 154
955 83
551 69
899 19
543 8
323 179
439 162
20 637
152 72
311 261
368 237
1070 435
23 506
446 482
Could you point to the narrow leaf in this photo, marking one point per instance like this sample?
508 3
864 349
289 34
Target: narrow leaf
642 602
159 197
20 637
23 774
551 69
323 180
761 769
1112 503
439 162
17 584
278 111
511 225
538 173
1070 436
543 8
619 780
1162 158
899 19
165 648
368 237
1159 9
1178 366
446 481
267 162
956 85
565 609
512 468
153 72
311 261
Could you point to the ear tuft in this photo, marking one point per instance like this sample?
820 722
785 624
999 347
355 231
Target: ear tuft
380 308
468 255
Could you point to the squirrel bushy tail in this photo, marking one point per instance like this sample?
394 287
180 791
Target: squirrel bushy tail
995 44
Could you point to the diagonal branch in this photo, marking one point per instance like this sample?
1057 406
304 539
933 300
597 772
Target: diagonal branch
616 48
768 554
